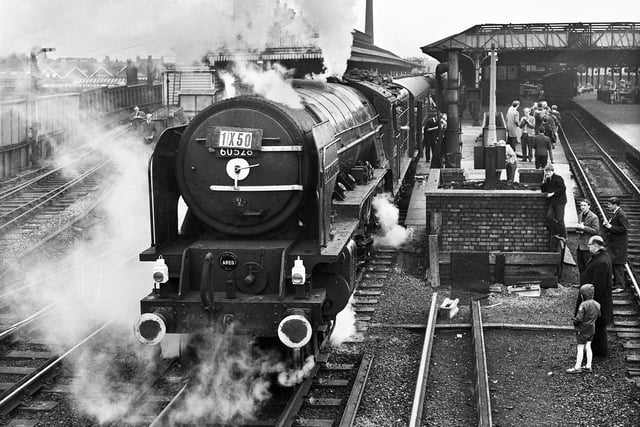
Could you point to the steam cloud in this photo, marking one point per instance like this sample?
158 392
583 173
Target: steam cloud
290 378
393 234
105 287
100 285
334 21
232 380
345 325
189 29
99 279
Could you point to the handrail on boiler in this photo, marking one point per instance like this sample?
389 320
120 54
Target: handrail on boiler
359 140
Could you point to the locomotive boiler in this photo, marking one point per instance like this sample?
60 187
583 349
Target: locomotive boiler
279 209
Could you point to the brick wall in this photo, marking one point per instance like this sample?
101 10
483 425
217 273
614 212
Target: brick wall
489 220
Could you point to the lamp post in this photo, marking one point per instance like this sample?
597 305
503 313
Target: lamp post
34 71
32 101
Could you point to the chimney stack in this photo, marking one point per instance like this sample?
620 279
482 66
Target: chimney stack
368 26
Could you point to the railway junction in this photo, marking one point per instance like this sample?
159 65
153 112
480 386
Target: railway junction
467 323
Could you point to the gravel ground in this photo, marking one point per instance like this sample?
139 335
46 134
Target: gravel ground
10 252
526 369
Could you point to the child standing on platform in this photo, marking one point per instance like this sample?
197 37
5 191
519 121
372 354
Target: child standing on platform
584 324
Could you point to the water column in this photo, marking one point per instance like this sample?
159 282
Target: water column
491 151
452 137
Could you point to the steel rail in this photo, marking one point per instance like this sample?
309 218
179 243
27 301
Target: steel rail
423 371
483 397
28 320
29 183
23 284
110 135
47 197
287 418
353 402
164 416
13 396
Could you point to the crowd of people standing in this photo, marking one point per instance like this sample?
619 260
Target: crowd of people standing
536 131
602 273
601 253
144 125
434 128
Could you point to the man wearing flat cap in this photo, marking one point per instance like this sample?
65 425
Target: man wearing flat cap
598 272
617 228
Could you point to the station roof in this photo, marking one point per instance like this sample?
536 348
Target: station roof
361 52
591 44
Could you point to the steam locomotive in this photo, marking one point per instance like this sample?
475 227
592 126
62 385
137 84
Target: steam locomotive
279 209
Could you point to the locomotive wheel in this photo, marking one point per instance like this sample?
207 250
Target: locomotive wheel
187 350
338 292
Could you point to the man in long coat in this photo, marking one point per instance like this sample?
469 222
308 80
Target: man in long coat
513 124
617 228
598 272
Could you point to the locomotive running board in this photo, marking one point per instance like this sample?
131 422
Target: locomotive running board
353 203
348 211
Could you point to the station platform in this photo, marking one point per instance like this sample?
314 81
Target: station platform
621 119
416 214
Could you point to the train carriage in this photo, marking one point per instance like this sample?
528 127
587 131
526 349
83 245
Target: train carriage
560 87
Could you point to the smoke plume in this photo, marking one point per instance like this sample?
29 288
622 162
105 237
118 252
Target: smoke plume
291 378
270 83
334 21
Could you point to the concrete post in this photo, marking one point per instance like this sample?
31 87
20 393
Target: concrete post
491 134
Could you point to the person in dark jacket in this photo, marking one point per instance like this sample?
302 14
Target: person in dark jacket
598 272
588 225
617 228
542 148
584 323
431 130
553 186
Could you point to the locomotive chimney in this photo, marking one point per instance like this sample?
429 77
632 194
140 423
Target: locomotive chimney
368 26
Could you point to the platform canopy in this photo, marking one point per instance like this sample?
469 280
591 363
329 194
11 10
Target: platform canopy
589 44
364 55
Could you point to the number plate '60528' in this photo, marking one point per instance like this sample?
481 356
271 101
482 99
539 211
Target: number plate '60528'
234 142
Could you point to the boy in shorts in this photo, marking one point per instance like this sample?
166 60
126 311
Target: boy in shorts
584 324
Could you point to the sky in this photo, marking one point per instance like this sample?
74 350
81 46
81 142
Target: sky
125 28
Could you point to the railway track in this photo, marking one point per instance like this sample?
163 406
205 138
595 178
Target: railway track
30 205
330 397
38 206
477 372
601 170
26 368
